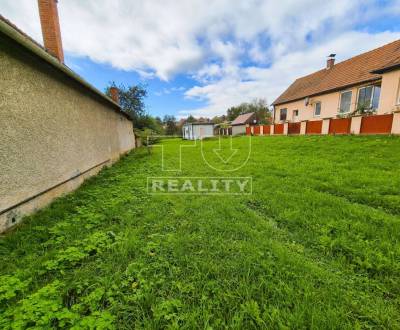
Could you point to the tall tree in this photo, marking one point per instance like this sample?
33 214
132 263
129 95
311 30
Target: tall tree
190 119
131 100
170 125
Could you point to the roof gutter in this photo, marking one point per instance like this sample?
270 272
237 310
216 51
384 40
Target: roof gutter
28 44
387 69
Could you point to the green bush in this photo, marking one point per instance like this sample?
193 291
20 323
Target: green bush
148 136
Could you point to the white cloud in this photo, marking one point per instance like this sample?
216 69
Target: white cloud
256 82
224 44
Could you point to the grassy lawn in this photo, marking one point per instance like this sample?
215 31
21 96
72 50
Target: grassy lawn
315 246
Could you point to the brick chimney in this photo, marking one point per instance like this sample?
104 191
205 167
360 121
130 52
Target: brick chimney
331 61
114 94
51 28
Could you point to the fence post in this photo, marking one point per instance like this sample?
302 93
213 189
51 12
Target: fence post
303 126
261 129
272 129
355 125
325 126
396 122
285 128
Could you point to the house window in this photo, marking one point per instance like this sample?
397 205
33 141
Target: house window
368 98
345 101
317 109
283 114
295 114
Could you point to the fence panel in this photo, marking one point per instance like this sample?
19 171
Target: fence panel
340 126
314 127
266 129
248 130
380 124
294 128
278 128
257 130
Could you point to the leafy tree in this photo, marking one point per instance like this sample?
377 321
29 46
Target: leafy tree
233 112
190 119
131 100
219 119
151 123
259 106
158 121
170 125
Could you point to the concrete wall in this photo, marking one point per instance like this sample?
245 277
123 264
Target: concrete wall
53 133
238 129
330 102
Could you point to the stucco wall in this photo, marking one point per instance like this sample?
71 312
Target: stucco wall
330 101
238 129
51 129
390 92
201 131
329 107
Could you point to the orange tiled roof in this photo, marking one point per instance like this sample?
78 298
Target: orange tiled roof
362 68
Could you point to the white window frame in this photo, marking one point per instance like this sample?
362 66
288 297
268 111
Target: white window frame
340 101
320 108
372 95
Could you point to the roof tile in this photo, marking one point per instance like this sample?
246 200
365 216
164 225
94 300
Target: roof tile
353 71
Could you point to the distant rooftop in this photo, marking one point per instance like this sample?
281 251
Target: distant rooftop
243 119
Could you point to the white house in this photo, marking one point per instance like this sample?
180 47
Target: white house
196 131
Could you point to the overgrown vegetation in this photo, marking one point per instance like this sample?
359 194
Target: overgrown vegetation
317 244
260 107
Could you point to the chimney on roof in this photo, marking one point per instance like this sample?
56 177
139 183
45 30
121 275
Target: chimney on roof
331 61
114 94
51 28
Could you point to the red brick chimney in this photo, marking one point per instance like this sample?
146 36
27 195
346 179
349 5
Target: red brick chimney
51 28
330 62
114 94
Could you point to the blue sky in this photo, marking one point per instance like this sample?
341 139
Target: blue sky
201 57
164 97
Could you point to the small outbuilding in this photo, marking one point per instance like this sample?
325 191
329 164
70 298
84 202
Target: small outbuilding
197 131
241 121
